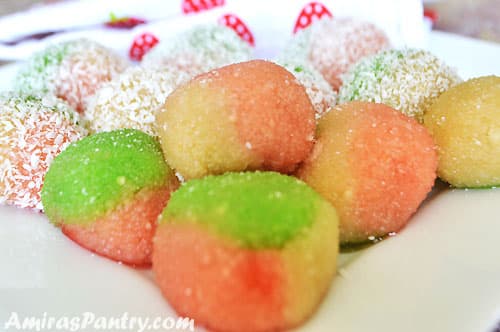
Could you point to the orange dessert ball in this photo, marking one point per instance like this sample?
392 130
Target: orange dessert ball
374 164
251 115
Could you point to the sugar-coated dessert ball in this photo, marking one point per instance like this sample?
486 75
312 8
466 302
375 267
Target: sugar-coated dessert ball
71 70
333 45
465 124
317 88
107 191
374 164
246 251
408 80
33 130
251 115
132 99
200 49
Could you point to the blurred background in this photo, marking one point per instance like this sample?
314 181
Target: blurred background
473 18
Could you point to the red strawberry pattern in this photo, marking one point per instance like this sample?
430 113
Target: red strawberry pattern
313 11
123 22
195 6
234 22
141 45
431 14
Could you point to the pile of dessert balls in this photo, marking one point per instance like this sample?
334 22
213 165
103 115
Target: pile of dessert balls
239 179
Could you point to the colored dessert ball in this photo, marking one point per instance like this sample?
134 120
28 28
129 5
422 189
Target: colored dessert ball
71 70
333 45
465 124
132 99
408 80
33 130
246 251
200 49
374 164
317 88
107 191
246 116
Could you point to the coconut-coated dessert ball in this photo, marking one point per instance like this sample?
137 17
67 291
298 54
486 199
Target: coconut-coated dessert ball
132 99
33 131
71 70
333 45
409 80
199 49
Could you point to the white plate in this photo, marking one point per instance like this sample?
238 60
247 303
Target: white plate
441 273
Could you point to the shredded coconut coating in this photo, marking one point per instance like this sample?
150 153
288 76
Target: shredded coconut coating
132 99
72 70
333 45
200 49
39 73
408 80
317 88
33 131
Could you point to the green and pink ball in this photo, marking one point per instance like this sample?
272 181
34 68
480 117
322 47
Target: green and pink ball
246 251
107 191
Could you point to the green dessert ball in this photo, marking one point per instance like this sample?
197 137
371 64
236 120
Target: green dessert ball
106 192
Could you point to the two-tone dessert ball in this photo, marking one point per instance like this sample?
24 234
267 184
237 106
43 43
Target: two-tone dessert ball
246 251
132 99
333 45
33 131
107 191
374 164
72 71
246 116
465 123
317 88
408 80
200 49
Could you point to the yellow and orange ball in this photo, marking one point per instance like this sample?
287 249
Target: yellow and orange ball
246 116
374 164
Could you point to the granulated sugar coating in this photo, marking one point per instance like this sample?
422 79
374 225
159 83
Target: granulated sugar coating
319 91
374 164
333 45
199 50
33 130
72 71
132 99
106 192
408 80
465 123
251 115
246 251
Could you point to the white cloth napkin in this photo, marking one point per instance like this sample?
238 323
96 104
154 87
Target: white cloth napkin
271 22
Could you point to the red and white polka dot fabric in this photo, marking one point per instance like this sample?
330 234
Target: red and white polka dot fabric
311 12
